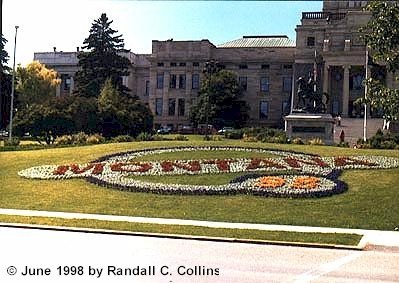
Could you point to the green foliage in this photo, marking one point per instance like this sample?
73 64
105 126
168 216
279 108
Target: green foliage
45 122
381 35
84 113
100 60
122 138
14 141
122 115
144 137
269 135
180 138
36 84
381 32
79 139
3 55
220 98
234 134
5 85
380 140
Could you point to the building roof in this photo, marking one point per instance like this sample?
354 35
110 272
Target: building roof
260 42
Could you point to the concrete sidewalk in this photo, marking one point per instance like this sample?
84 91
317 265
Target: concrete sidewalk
370 237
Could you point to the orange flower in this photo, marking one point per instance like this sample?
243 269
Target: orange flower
270 182
305 182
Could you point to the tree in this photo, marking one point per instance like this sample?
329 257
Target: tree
5 84
122 115
219 99
101 60
45 122
36 84
381 36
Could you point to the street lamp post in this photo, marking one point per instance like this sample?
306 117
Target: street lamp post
13 86
210 68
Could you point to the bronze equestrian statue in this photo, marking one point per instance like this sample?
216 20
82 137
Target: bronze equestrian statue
310 100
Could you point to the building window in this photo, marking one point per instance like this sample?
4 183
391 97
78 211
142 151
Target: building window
195 81
172 81
173 64
66 82
160 81
195 64
311 41
158 106
285 108
182 64
263 110
287 66
265 66
171 106
264 84
160 64
287 84
243 66
181 107
182 81
356 83
243 82
147 88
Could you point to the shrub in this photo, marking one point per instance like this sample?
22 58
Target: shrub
343 144
249 139
181 138
297 141
122 138
95 139
80 138
144 137
380 140
64 140
316 141
158 138
14 141
216 138
233 134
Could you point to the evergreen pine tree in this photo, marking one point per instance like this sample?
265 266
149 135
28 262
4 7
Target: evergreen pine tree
101 59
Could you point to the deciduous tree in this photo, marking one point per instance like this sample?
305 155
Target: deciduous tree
36 84
220 99
381 36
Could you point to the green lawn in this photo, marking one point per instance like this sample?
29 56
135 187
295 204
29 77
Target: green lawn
246 234
370 202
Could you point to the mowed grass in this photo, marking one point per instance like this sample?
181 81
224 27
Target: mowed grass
244 234
370 202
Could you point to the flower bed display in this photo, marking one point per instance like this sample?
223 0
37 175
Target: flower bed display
288 174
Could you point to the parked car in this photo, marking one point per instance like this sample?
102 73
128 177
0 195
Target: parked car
3 133
164 130
225 130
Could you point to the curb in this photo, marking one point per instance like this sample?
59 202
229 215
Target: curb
360 246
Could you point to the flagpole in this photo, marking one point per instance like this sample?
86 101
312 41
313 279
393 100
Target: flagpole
365 97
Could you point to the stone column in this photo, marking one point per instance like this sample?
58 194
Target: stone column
326 77
345 96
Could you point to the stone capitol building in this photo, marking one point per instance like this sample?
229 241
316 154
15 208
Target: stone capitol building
169 78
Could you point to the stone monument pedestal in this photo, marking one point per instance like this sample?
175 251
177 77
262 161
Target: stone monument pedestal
308 126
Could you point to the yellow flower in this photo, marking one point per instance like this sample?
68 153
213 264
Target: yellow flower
270 182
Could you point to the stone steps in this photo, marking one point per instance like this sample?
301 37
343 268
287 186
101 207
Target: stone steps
353 129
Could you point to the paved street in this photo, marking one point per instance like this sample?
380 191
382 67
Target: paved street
233 262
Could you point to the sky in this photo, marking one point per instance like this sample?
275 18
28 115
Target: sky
64 24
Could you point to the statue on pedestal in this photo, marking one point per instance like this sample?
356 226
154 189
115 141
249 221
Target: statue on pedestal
309 99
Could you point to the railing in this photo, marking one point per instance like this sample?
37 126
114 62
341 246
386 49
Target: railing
322 15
